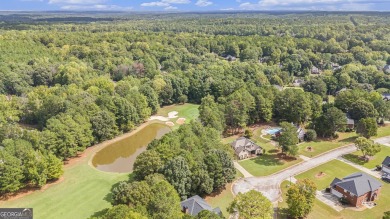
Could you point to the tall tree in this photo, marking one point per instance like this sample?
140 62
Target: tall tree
300 198
367 127
367 147
288 137
252 204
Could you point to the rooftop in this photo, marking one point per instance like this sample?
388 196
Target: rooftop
196 204
357 183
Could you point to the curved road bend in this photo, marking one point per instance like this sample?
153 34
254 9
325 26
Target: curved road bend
270 185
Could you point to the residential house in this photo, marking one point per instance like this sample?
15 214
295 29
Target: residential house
335 66
386 97
230 58
350 123
341 90
386 165
301 134
357 188
386 69
196 204
315 70
244 148
298 82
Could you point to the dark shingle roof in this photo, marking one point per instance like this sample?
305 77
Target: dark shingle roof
358 183
386 161
196 204
240 143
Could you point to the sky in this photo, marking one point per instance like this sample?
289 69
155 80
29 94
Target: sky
194 5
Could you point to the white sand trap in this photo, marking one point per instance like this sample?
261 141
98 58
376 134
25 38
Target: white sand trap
160 118
181 121
172 114
169 123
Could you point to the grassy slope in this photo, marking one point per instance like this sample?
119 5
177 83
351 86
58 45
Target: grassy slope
84 190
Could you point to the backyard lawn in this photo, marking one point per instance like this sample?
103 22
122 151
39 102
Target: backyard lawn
375 160
84 190
383 131
339 169
321 146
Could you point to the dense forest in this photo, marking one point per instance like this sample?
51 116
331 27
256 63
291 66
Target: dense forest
68 81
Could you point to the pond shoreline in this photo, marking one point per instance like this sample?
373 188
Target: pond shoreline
86 154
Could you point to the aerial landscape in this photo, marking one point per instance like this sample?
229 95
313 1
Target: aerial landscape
195 109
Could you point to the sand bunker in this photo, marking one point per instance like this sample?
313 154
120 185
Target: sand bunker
170 124
171 115
320 174
181 121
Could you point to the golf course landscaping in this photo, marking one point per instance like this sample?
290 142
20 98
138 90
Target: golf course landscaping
83 190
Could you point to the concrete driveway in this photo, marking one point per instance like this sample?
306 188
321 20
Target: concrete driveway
270 185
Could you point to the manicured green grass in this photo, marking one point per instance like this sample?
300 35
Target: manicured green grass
189 111
332 169
383 131
375 160
320 146
223 198
339 169
266 164
84 190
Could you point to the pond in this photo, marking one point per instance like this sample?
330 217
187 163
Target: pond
119 157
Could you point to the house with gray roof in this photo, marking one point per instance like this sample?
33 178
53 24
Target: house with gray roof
386 165
196 204
349 122
386 97
386 69
244 148
357 188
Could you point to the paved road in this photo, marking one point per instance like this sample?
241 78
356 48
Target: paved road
270 185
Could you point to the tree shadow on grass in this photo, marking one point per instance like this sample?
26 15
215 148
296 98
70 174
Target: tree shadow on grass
99 213
355 158
273 151
350 139
282 213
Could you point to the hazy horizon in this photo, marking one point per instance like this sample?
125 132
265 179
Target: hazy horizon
194 5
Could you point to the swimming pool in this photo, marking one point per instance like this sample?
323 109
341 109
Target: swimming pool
273 131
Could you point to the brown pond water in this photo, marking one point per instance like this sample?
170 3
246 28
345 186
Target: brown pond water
119 157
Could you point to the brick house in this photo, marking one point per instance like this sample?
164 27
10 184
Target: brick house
244 148
357 188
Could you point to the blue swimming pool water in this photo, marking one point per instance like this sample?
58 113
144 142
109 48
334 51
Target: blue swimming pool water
273 131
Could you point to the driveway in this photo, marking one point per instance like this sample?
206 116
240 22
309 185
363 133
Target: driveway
385 141
270 185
